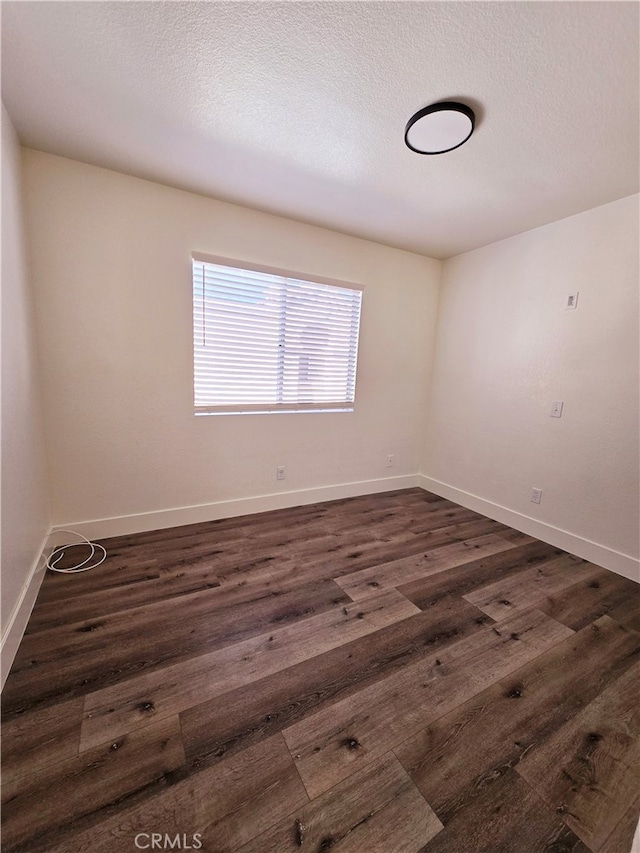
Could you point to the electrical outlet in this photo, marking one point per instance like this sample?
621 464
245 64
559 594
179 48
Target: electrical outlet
536 496
556 409
280 471
572 300
390 460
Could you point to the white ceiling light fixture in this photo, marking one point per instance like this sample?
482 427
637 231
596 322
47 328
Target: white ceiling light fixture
439 128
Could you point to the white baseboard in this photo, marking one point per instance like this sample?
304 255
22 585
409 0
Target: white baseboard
622 564
103 528
17 624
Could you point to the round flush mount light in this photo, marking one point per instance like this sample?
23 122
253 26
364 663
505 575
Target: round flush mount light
439 128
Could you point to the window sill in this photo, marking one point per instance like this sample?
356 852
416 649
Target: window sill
267 411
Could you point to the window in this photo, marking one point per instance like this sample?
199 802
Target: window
264 341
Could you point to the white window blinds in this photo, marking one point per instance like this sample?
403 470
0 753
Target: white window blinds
266 342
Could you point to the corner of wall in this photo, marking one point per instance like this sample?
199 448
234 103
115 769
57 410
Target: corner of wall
433 357
506 347
26 519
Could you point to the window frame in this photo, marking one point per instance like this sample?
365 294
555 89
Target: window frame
273 408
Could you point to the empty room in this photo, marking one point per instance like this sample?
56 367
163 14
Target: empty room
320 426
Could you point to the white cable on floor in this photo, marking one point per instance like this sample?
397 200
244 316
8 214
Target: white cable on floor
58 554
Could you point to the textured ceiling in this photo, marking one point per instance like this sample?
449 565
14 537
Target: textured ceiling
299 108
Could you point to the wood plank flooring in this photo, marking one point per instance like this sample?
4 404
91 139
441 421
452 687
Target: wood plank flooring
391 673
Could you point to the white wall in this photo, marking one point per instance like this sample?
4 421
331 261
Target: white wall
506 348
111 268
25 510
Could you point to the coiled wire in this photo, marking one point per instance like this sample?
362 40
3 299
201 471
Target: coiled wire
58 553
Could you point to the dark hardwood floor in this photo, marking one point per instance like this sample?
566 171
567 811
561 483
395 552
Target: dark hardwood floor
384 674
